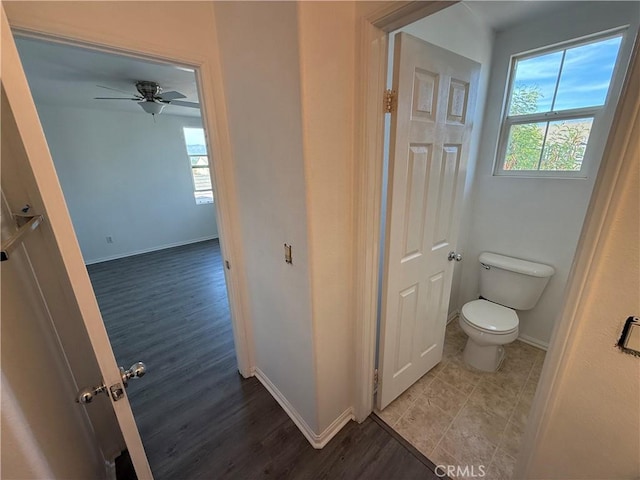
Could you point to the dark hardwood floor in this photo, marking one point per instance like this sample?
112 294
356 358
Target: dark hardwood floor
198 418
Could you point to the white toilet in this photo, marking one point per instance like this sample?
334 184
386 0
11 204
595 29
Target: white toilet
507 284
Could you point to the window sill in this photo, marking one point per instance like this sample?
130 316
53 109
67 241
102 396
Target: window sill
534 175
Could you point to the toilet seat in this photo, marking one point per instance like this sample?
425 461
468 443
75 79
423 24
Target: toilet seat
490 317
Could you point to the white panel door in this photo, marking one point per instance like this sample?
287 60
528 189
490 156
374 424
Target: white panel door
30 174
430 133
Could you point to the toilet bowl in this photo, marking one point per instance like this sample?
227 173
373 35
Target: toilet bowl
507 284
489 326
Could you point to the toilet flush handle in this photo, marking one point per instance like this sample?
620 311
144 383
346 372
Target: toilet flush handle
454 256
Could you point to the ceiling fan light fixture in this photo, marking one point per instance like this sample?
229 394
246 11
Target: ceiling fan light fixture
153 108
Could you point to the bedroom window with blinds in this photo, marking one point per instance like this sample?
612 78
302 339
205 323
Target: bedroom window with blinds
199 163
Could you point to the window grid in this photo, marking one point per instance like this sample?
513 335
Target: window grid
550 116
555 91
199 163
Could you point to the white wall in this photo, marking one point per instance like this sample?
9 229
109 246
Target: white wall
291 87
260 60
327 71
591 426
126 177
538 219
457 29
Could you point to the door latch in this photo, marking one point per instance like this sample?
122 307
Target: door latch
117 391
87 394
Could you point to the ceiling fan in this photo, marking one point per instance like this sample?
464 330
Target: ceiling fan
151 97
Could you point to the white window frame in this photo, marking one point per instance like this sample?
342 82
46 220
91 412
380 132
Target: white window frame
192 166
507 121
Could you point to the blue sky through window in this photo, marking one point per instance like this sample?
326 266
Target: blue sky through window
584 79
542 73
194 138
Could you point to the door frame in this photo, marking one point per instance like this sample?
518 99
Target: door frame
209 79
371 77
373 28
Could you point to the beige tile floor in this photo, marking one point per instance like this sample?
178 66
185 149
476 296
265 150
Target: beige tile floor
459 416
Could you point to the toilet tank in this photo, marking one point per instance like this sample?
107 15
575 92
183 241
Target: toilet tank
512 282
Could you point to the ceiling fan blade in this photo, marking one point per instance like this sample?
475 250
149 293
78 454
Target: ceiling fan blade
179 103
171 95
115 90
116 98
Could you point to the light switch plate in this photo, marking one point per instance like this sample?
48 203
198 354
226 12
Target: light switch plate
633 338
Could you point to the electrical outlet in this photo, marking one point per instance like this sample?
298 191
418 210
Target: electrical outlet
109 239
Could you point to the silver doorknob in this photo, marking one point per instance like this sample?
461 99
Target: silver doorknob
87 394
136 370
454 256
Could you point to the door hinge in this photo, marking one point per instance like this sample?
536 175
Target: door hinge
375 380
390 99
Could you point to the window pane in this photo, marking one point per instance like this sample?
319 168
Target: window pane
586 74
194 138
204 197
565 145
534 83
525 146
201 178
199 161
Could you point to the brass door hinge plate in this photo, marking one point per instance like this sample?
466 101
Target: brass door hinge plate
390 99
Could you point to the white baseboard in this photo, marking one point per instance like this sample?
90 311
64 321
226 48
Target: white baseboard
452 316
335 427
149 250
534 342
316 441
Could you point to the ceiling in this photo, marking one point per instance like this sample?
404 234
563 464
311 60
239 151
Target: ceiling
63 74
500 15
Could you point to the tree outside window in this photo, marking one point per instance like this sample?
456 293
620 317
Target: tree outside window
555 97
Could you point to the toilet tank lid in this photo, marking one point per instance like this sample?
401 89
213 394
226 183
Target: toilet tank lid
516 265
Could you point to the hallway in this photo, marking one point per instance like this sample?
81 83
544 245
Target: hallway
197 416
